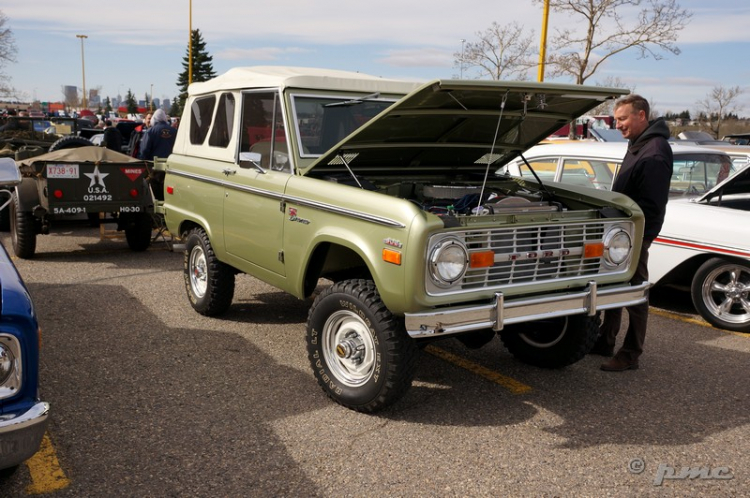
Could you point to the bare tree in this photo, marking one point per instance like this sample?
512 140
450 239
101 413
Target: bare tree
607 108
717 104
606 32
500 52
7 55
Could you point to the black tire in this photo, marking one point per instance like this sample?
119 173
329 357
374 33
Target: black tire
552 343
208 281
360 353
70 142
720 292
138 229
22 230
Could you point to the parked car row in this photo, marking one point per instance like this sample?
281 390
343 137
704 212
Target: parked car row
595 164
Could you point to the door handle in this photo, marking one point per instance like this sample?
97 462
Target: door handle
228 172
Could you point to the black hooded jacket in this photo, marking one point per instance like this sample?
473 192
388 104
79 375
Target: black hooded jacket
645 175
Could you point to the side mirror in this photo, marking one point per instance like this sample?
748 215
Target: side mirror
251 159
10 175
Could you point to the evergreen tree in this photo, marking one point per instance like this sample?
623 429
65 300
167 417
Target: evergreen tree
203 69
107 105
130 103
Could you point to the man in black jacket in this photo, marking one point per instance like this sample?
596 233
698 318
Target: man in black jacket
644 177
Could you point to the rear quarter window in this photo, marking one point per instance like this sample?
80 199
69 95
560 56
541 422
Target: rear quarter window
201 112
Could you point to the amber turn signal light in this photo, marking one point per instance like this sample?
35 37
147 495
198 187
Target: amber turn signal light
593 250
481 259
391 256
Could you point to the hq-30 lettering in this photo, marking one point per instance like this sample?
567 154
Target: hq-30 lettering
387 191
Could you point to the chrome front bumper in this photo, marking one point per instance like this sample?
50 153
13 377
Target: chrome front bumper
501 312
21 434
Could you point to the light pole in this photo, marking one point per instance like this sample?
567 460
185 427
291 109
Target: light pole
462 59
543 43
83 69
190 45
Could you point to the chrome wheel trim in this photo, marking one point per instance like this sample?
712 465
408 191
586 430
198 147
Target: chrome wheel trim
725 294
198 271
348 348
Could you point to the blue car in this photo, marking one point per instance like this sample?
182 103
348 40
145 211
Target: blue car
23 418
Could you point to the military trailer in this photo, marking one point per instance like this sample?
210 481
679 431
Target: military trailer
82 181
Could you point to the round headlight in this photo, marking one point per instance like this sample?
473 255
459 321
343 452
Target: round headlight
617 246
6 363
448 261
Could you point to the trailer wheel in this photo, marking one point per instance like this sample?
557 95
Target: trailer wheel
22 230
138 230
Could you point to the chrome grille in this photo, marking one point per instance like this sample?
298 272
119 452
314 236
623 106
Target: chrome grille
531 254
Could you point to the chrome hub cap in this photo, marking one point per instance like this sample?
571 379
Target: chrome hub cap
198 271
348 348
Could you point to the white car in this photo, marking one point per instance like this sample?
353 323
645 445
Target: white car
595 164
705 245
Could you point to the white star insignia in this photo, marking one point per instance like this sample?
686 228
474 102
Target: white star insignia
97 177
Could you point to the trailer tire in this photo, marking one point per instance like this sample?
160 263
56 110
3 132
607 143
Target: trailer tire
71 142
22 230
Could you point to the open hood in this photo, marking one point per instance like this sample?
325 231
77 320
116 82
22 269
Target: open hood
461 124
738 183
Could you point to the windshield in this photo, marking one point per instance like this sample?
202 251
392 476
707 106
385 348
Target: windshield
323 121
697 173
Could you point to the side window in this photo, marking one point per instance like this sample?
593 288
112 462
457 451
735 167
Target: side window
200 118
223 122
263 130
544 168
576 172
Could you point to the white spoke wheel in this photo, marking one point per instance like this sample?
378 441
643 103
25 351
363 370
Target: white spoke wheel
720 292
360 353
209 282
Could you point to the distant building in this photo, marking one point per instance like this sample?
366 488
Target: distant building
71 93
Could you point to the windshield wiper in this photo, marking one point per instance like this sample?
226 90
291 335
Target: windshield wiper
356 101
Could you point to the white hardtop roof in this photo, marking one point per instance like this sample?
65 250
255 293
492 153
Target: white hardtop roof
602 149
301 77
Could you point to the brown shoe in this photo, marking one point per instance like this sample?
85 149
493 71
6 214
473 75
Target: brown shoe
618 364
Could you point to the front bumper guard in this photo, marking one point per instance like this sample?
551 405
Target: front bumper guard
21 434
501 312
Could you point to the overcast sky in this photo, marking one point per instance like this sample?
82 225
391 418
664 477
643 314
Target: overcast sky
138 45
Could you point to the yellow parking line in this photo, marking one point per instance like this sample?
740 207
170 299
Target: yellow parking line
46 474
695 321
508 383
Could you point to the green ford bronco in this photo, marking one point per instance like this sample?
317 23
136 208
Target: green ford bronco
387 190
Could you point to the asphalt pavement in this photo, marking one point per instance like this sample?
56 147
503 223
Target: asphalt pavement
151 399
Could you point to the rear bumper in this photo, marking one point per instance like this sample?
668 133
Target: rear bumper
21 434
501 312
